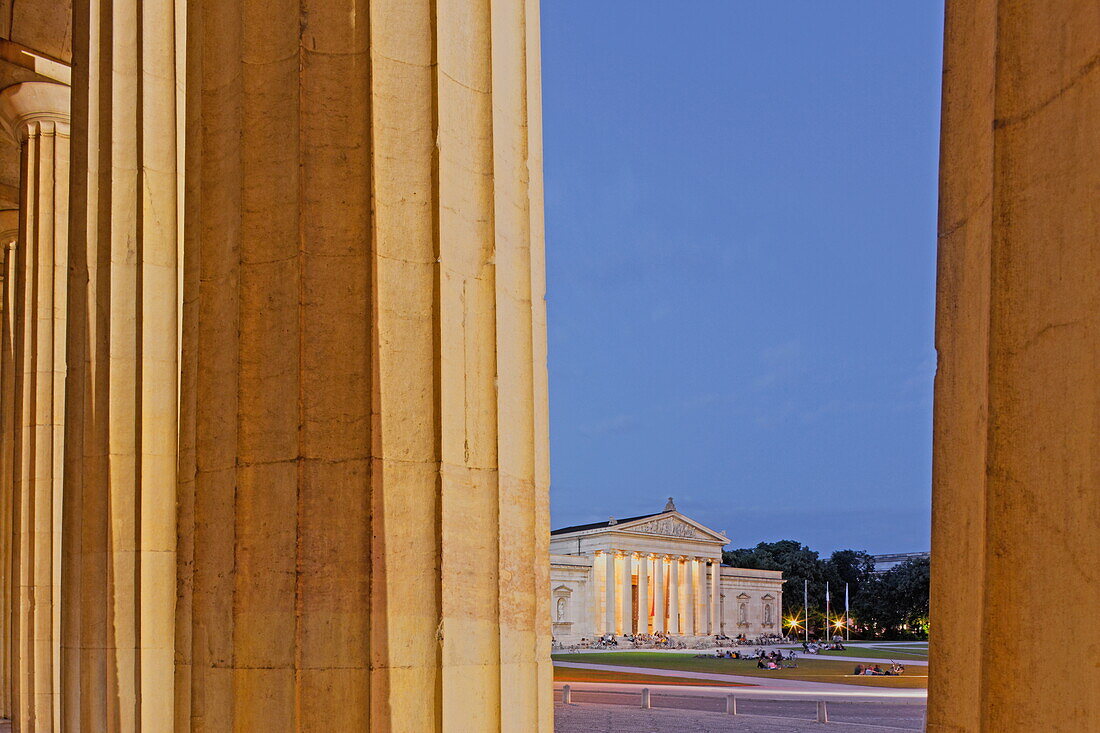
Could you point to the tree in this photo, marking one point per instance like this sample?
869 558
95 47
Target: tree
893 604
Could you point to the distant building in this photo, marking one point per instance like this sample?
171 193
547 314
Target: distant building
886 562
658 572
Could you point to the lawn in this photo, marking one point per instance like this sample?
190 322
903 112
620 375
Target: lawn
809 669
573 674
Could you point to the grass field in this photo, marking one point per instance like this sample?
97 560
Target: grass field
572 674
809 669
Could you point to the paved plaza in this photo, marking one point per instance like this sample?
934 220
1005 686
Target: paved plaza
788 718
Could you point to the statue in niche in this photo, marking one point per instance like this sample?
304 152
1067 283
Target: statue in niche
767 613
561 609
742 614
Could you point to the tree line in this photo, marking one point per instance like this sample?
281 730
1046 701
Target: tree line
892 604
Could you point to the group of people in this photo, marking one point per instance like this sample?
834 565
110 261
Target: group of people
657 639
772 660
875 670
729 654
812 647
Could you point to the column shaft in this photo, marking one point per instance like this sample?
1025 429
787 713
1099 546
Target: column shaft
660 603
715 596
674 591
9 234
701 602
38 114
643 594
609 586
689 597
368 358
1017 390
626 597
121 420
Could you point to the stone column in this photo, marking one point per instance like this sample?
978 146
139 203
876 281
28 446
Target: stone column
674 595
701 601
119 562
660 604
626 598
37 114
1015 470
715 596
9 235
609 586
643 593
690 590
364 346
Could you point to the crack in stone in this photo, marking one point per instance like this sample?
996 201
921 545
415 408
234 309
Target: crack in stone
1080 74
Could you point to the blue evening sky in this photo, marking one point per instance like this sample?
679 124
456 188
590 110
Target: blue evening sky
741 243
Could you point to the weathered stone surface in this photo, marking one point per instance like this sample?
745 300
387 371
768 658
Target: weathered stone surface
1016 506
363 509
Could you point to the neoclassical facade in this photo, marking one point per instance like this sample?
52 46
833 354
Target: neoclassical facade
655 573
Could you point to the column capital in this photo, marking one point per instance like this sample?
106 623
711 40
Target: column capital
37 105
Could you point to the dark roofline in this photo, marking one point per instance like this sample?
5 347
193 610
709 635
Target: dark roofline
601 525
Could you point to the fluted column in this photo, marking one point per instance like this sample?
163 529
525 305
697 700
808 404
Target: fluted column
715 595
364 346
119 546
660 604
690 590
9 235
702 604
609 587
643 593
626 595
37 114
674 595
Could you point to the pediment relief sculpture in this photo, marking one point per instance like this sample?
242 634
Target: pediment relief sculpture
670 527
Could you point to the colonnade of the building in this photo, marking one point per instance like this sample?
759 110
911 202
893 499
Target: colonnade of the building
644 593
273 403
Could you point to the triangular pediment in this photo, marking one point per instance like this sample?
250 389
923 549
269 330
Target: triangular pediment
672 524
744 597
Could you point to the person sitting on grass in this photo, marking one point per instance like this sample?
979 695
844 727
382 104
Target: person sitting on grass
859 669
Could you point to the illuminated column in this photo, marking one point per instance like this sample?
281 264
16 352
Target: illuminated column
643 593
701 603
609 592
689 596
715 598
660 568
627 599
674 595
9 234
37 114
